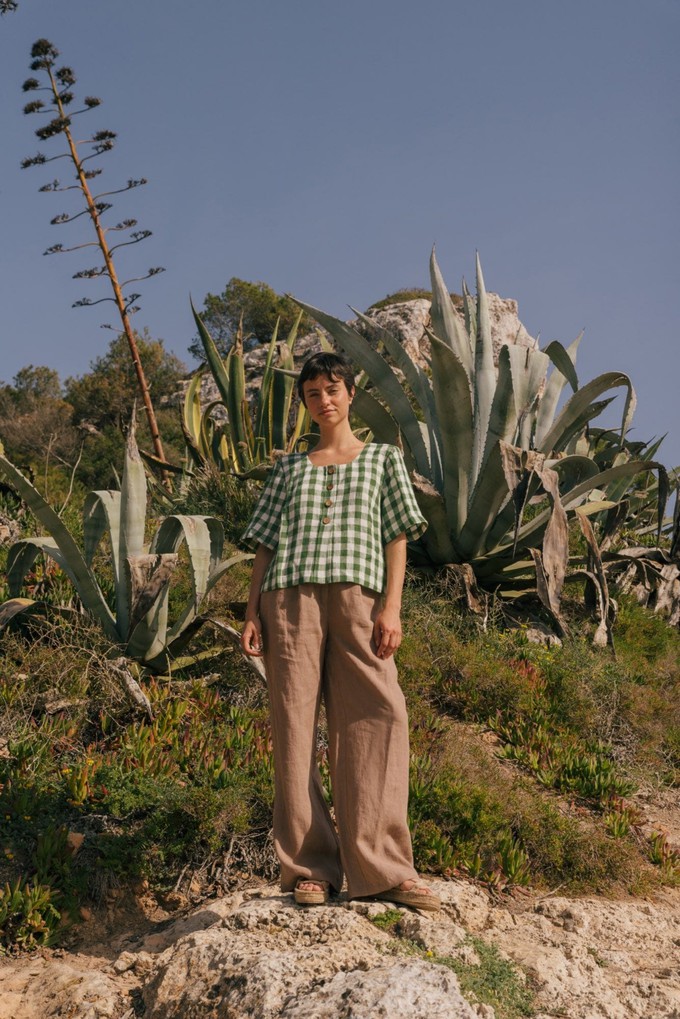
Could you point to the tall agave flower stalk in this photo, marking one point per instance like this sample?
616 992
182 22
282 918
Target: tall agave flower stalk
58 84
484 440
136 620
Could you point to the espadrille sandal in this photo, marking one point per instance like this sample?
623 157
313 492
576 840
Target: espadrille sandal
414 897
311 896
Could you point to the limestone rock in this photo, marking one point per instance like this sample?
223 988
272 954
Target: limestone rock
258 955
408 321
406 990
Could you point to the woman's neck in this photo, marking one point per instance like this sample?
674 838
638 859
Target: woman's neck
336 444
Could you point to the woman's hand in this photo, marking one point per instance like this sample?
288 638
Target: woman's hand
251 638
387 632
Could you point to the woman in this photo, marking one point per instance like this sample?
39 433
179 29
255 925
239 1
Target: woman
324 611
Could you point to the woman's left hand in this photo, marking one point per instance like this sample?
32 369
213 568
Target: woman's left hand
387 632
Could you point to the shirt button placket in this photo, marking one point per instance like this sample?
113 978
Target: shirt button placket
328 502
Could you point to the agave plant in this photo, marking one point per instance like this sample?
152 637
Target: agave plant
243 444
484 440
137 622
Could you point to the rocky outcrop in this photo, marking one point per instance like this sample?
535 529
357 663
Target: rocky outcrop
407 321
255 954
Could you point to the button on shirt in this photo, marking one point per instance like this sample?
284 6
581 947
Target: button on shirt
330 524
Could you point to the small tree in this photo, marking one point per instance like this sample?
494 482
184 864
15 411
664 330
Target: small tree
59 86
255 307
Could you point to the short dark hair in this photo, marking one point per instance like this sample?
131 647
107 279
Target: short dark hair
334 366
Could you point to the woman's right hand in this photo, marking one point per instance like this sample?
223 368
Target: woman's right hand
251 638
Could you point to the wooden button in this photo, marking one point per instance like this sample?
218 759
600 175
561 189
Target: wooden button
331 469
328 502
329 486
326 520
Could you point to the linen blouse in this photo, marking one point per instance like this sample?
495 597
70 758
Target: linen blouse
329 524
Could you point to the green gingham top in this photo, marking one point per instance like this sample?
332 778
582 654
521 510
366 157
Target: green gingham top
329 524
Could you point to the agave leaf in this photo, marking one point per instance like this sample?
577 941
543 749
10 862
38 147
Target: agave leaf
101 514
580 401
598 579
280 402
555 547
216 364
504 415
13 608
543 590
262 422
22 555
445 321
190 613
453 402
436 538
529 368
470 312
237 406
573 470
161 465
484 376
565 360
204 537
382 377
372 412
529 532
420 386
150 576
489 496
88 590
192 405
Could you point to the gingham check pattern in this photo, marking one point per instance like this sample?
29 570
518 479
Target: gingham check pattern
329 524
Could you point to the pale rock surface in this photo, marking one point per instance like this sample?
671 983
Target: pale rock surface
408 321
406 990
257 955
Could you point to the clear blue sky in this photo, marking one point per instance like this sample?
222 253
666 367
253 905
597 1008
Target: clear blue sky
323 147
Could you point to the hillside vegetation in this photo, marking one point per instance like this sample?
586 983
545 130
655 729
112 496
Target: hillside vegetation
526 759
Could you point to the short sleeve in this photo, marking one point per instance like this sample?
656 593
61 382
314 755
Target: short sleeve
400 512
263 528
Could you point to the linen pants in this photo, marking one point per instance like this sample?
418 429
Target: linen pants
318 640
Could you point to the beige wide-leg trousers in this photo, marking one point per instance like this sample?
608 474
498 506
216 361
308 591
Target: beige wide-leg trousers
318 641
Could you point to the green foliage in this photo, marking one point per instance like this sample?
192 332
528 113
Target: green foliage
253 308
248 439
105 394
28 917
213 493
485 440
406 294
138 621
488 980
36 423
494 981
387 921
663 855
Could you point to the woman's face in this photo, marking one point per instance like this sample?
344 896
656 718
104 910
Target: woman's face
327 400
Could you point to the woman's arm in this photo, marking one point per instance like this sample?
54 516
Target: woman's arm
251 638
387 627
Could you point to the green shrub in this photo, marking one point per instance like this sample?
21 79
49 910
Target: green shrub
28 917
